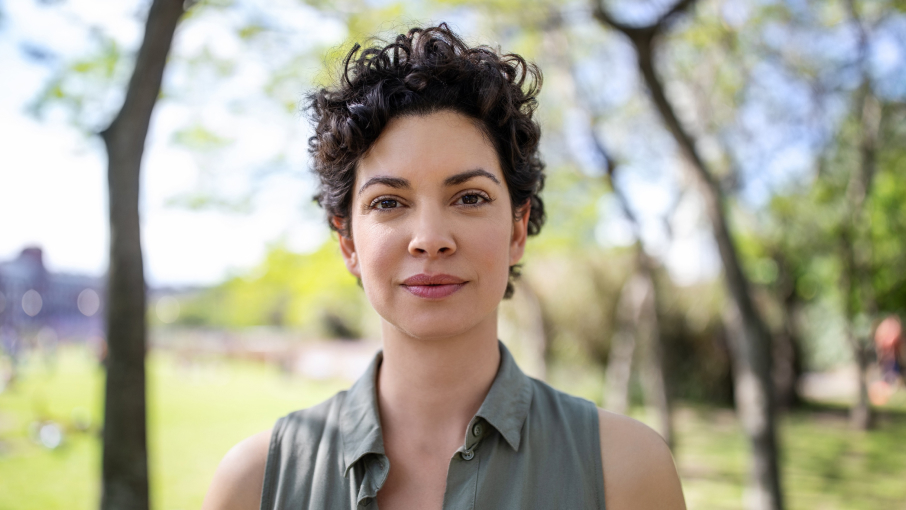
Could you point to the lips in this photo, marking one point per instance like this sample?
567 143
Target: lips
436 286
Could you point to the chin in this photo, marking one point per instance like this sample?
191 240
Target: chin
433 330
441 322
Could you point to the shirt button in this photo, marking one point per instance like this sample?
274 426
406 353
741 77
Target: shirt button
468 455
477 430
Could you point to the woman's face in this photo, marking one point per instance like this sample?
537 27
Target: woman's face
432 227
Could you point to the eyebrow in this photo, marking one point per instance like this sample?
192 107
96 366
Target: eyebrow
460 178
393 182
453 180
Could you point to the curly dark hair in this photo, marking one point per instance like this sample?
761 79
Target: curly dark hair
421 72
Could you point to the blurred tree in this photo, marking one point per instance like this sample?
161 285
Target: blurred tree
312 293
638 321
125 458
751 339
636 329
776 269
638 309
856 283
822 233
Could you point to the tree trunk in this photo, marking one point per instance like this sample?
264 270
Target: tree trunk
619 369
125 457
646 326
638 329
750 341
855 243
787 346
787 364
654 377
753 393
855 250
862 415
622 344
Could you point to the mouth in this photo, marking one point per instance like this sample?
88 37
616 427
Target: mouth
433 286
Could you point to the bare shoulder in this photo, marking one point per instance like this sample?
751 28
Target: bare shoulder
639 472
239 478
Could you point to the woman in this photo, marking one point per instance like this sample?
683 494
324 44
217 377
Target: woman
428 159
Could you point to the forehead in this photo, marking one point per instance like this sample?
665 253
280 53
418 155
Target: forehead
429 147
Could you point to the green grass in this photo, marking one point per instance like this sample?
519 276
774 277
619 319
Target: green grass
197 411
825 463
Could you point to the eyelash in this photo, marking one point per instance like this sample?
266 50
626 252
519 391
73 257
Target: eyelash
484 197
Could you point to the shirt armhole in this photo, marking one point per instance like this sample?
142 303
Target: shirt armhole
599 463
272 467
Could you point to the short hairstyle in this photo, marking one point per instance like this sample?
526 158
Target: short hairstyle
421 72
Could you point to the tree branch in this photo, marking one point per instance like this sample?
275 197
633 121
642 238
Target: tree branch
124 458
751 342
645 31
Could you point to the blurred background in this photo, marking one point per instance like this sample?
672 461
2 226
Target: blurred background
788 114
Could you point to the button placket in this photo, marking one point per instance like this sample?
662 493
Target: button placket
475 433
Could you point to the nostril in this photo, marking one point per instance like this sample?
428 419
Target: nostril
431 248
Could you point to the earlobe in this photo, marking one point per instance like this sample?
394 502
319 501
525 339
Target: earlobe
347 248
350 257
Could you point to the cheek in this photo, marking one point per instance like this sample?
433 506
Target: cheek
378 248
492 247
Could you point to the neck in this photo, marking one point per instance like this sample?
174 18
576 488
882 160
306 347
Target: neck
436 385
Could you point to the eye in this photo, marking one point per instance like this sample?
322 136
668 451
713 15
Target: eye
473 199
384 203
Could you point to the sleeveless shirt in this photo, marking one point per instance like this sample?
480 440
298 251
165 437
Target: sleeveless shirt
529 446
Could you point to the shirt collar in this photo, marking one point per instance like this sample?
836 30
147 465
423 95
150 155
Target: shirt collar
360 423
507 404
505 407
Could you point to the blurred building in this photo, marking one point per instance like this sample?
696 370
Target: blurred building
46 306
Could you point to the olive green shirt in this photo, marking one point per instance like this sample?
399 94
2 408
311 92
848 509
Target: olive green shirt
529 446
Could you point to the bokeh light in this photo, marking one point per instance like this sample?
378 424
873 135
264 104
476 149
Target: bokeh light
32 302
167 309
50 435
89 302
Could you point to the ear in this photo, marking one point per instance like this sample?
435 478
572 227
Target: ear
347 247
520 232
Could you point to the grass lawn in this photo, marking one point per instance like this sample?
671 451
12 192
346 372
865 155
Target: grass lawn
826 465
198 411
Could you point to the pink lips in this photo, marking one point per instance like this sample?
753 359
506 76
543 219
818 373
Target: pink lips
436 286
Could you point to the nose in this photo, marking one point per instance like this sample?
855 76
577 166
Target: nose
431 235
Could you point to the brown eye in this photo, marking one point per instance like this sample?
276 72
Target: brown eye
473 199
387 204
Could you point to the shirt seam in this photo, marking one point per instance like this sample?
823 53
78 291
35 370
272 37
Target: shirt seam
267 488
477 479
599 462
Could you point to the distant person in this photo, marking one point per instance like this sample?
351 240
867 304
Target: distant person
427 155
889 348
